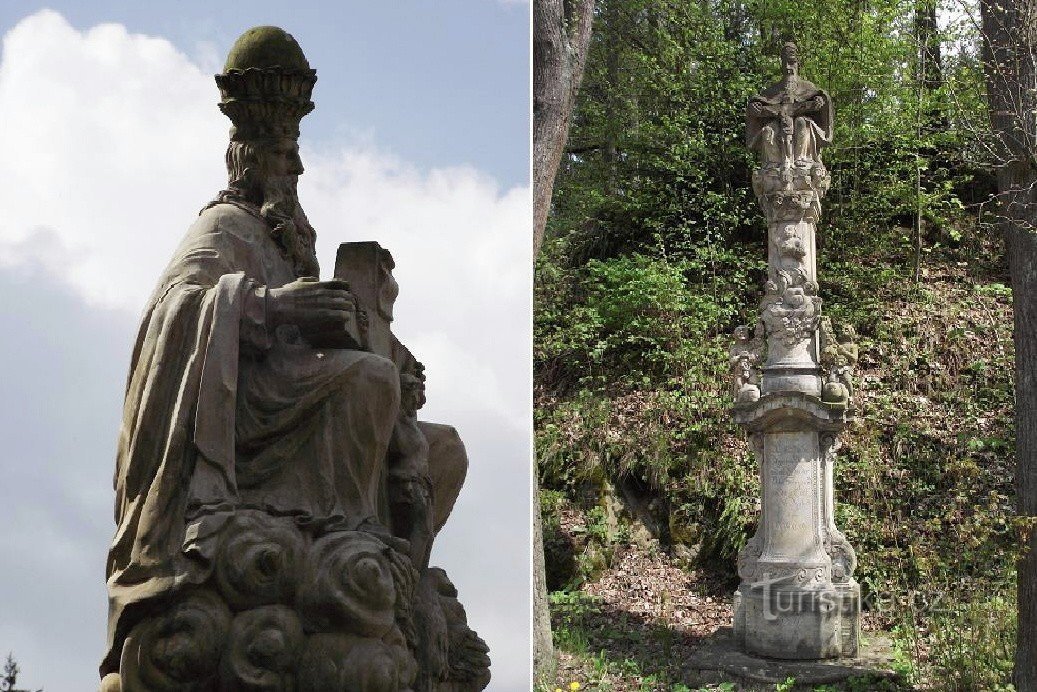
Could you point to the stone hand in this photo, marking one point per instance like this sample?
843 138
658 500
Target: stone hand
762 110
315 307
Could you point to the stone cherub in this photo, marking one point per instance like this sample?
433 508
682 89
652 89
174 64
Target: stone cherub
791 307
791 250
746 354
275 502
839 355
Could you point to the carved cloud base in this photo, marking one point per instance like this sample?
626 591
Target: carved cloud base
289 606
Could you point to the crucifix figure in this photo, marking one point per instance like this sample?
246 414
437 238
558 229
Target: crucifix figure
789 122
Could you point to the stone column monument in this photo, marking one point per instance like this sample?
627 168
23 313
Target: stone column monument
797 598
276 495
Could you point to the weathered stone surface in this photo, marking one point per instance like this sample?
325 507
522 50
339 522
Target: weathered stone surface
180 649
259 560
277 497
353 664
262 650
721 652
793 389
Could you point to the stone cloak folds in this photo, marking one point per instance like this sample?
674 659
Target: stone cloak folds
197 399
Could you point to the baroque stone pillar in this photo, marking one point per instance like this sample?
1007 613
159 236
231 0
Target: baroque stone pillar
797 598
277 497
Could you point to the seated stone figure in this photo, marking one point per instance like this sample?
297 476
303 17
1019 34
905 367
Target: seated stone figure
275 504
790 122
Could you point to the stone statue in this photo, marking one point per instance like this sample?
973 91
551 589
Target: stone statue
745 357
797 598
276 496
789 122
838 358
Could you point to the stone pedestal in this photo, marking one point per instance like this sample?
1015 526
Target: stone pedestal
797 599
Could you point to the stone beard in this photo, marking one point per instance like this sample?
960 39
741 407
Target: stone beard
278 199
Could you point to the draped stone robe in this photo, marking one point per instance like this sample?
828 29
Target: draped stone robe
808 126
222 413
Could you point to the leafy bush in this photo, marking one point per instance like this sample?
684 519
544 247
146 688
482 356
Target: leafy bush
656 250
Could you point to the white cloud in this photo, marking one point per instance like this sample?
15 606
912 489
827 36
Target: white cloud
112 142
462 253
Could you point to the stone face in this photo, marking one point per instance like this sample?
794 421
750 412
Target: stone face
277 497
797 598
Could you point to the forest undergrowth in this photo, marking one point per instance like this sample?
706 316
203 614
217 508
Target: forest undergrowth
656 250
923 476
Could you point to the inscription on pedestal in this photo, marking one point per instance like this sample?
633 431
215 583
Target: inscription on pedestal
791 489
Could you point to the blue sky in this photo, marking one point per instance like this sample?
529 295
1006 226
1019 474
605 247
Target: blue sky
112 141
438 82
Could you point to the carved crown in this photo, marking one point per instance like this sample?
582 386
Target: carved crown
266 85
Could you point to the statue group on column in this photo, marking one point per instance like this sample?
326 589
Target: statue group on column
793 393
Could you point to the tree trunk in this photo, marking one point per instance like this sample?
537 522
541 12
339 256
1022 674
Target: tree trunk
561 37
1009 33
543 646
929 62
1021 246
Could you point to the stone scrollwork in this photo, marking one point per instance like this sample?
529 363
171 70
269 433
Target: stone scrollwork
791 307
816 177
778 574
791 194
262 649
810 575
258 560
786 205
353 582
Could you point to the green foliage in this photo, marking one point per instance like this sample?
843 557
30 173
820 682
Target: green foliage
656 250
583 628
973 643
964 638
657 159
655 141
634 315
